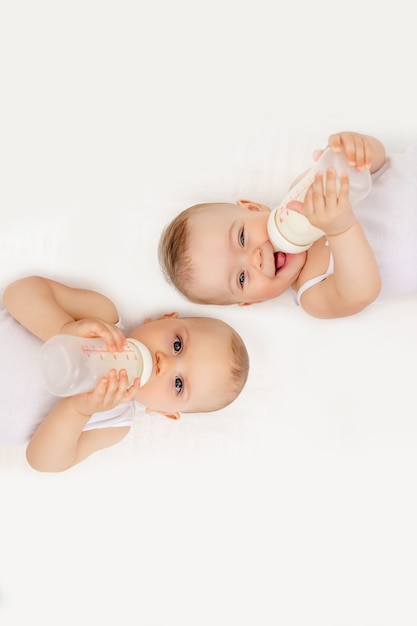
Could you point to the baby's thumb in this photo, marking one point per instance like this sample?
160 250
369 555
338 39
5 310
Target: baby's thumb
317 154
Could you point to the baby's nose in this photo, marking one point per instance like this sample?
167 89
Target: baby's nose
257 259
161 363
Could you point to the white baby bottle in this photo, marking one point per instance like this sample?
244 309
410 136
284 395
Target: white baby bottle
290 231
70 365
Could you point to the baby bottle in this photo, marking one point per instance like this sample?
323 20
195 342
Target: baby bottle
70 365
290 231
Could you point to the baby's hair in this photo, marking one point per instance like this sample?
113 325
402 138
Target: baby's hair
174 255
239 370
240 362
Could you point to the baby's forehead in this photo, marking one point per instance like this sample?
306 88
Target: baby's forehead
209 228
207 327
210 335
215 209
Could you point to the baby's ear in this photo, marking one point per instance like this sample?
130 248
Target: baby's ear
252 206
165 316
172 416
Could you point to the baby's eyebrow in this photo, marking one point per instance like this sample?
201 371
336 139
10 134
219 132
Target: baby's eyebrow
232 282
231 233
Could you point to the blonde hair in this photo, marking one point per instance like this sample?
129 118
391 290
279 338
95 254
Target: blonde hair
174 252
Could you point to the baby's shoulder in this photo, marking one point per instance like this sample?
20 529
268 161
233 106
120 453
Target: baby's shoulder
318 263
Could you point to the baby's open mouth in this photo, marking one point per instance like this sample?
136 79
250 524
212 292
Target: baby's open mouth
280 258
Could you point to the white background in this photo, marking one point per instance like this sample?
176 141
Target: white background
296 505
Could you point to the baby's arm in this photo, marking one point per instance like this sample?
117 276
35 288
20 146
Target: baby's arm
356 281
59 442
46 308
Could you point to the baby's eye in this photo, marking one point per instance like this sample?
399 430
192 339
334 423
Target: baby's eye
242 237
241 279
179 385
177 345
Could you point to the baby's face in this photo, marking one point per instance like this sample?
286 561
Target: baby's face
233 259
191 364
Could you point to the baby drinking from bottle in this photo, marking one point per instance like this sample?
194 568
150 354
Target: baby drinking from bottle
362 248
190 365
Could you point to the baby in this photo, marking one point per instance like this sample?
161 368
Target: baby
220 253
200 364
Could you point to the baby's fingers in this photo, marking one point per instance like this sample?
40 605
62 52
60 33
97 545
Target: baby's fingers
118 388
331 185
346 141
344 187
113 336
357 151
317 154
321 194
356 147
131 391
111 388
324 190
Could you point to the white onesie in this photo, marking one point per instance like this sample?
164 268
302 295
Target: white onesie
24 400
388 216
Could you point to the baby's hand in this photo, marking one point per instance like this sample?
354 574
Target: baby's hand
109 392
323 207
357 149
112 335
